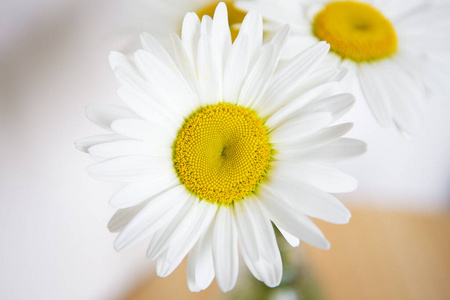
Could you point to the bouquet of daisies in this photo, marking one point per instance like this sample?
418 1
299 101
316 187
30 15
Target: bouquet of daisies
225 138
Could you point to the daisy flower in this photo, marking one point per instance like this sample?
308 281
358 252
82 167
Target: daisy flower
216 142
162 17
397 49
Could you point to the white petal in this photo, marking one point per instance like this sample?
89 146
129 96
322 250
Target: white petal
186 65
156 214
206 26
397 10
293 73
328 134
144 131
225 252
252 26
280 37
297 128
322 78
247 237
405 98
257 237
236 68
190 276
221 36
134 82
137 192
131 169
147 110
418 69
181 240
190 34
154 47
191 228
298 224
249 262
167 79
257 78
145 90
118 60
158 246
306 199
374 91
129 148
342 149
313 141
324 178
157 237
200 263
337 105
292 240
280 111
85 143
208 70
104 115
121 218
212 53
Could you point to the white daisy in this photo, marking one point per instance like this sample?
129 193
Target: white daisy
216 142
397 49
162 17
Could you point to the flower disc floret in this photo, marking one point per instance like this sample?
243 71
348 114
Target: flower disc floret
356 31
222 153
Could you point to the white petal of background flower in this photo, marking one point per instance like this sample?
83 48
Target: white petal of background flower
395 87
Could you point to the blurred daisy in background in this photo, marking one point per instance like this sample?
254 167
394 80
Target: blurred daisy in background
398 50
162 17
216 142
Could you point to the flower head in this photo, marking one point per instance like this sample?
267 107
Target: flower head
398 50
216 142
162 17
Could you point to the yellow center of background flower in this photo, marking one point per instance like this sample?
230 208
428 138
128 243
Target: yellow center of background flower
235 15
222 152
356 31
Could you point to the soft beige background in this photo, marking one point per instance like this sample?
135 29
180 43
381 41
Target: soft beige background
53 236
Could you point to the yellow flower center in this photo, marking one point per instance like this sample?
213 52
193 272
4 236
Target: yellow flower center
222 153
356 31
235 15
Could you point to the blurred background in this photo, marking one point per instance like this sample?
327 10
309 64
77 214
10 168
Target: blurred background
54 241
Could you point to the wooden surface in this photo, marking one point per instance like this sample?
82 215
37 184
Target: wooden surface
173 287
385 255
378 255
